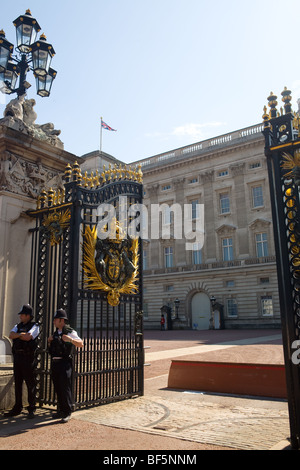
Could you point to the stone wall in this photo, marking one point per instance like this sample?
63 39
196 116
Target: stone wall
27 165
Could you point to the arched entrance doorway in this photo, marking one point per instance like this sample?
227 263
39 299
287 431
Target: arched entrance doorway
200 311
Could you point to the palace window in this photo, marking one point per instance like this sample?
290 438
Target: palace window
255 165
257 196
223 173
224 203
167 215
169 257
227 249
197 254
266 305
261 241
195 209
169 288
232 310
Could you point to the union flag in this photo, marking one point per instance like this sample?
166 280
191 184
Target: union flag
106 126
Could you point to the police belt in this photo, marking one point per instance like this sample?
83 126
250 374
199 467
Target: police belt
59 359
23 352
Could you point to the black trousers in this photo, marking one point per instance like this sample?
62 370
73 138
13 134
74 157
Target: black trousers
61 372
24 366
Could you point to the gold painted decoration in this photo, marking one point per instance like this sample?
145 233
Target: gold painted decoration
54 224
291 163
96 180
291 214
110 265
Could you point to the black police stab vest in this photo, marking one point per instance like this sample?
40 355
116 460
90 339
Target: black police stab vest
25 347
58 347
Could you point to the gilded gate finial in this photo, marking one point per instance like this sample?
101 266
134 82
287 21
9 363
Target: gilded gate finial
96 180
89 181
286 98
68 173
76 172
50 197
266 117
272 99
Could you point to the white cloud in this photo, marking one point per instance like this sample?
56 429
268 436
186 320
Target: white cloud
194 131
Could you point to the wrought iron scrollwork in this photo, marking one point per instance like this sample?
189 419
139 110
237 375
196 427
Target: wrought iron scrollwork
98 282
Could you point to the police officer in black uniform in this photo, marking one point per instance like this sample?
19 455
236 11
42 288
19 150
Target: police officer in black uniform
24 336
62 346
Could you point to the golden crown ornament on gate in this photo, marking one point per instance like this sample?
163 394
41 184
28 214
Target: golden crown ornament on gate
110 264
54 224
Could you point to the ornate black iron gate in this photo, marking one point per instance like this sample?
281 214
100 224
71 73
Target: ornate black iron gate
80 264
282 149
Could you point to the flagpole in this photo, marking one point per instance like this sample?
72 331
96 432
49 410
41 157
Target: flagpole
101 136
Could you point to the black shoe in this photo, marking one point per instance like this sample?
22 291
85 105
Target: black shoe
57 415
13 412
30 415
65 419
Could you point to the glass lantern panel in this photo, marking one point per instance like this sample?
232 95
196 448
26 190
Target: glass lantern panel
41 62
41 85
3 87
11 77
14 81
26 35
4 56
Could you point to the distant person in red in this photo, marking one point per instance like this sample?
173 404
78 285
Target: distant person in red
162 322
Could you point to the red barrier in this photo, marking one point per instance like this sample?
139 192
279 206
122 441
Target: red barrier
266 380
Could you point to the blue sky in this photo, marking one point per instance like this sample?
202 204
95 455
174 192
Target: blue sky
164 73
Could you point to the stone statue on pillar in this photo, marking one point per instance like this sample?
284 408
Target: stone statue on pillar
20 115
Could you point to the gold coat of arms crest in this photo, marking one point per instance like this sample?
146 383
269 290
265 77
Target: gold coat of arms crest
110 264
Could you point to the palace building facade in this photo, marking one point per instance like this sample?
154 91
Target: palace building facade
227 280
230 281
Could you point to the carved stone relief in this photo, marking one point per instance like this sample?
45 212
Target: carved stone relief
260 224
26 178
237 169
207 177
226 230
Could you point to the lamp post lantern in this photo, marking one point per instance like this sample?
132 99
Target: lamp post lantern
6 49
282 149
44 82
32 54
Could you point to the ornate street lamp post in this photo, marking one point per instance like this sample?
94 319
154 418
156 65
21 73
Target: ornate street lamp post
282 149
39 53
